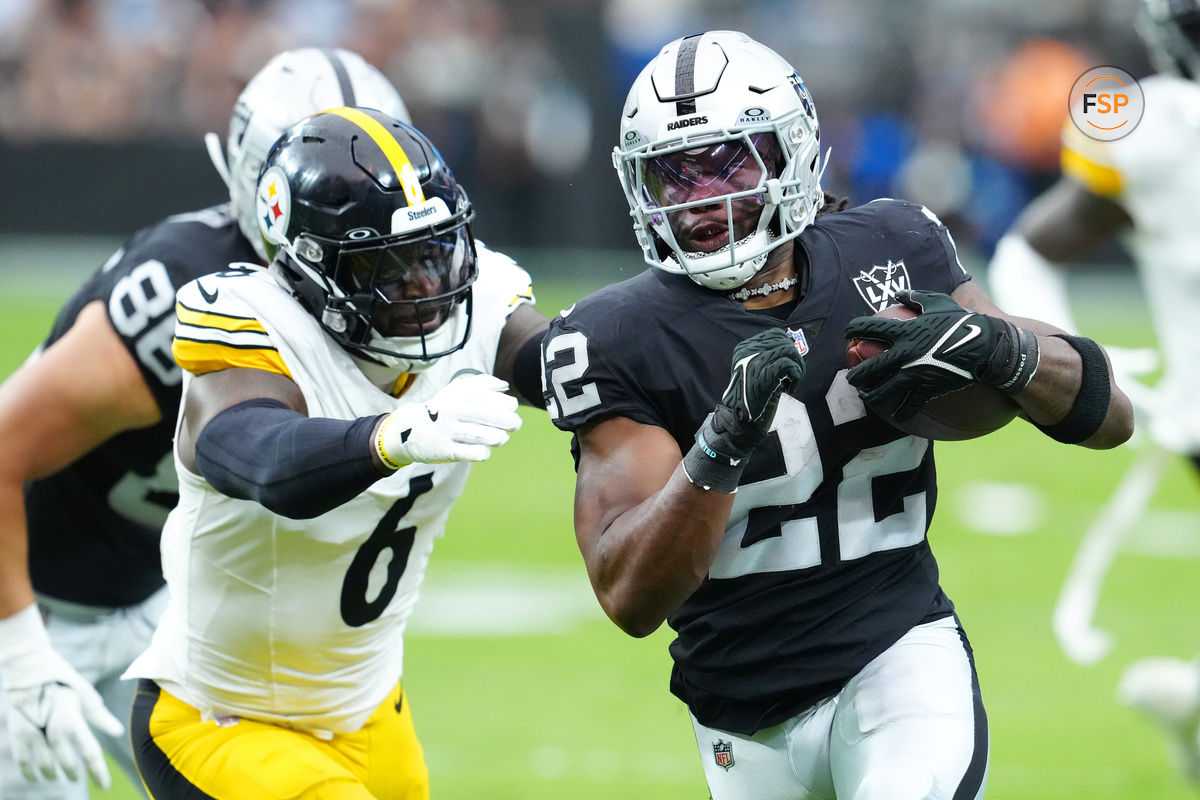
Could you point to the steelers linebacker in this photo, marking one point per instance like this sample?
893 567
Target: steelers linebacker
332 406
1144 188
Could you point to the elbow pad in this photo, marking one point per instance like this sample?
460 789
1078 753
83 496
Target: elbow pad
292 465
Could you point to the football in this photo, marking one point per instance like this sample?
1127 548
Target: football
974 410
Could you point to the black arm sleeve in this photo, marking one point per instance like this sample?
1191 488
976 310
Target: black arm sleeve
527 372
295 466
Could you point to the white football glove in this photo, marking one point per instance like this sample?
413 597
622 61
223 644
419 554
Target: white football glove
462 422
50 705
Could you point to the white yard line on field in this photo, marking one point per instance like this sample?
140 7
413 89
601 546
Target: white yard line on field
502 600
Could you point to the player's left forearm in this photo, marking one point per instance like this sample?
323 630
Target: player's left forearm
1073 397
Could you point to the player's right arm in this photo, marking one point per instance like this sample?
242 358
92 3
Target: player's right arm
1059 229
646 532
648 519
1069 221
245 426
79 392
1056 231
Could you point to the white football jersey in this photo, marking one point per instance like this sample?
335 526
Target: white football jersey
301 622
1154 174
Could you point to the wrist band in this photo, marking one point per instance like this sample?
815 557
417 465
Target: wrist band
1091 402
708 466
1013 362
387 460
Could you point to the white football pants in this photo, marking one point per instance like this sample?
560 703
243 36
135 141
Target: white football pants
909 726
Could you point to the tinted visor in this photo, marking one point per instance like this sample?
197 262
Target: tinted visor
411 286
699 173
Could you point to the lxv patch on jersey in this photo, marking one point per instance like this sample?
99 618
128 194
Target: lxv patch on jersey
879 286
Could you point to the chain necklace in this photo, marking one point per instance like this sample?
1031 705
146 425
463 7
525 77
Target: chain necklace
745 294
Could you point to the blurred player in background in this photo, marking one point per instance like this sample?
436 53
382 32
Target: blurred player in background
1145 189
331 407
776 526
86 473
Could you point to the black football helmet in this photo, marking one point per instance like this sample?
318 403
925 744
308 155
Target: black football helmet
366 223
1171 28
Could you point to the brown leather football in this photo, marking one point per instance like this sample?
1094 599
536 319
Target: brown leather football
859 350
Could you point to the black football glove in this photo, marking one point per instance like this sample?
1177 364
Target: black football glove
943 349
764 367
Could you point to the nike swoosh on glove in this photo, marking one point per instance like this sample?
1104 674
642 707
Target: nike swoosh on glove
939 351
462 422
765 366
51 706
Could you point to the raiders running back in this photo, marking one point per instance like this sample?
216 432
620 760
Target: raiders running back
94 527
844 577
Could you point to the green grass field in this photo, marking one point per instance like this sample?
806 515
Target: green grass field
522 689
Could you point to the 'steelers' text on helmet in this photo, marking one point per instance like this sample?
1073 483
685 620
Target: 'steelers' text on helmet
719 157
366 223
1171 29
292 85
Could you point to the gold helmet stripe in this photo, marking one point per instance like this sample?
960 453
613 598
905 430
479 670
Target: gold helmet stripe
391 150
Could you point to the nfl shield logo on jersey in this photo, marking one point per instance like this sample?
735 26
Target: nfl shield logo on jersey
723 753
879 286
798 337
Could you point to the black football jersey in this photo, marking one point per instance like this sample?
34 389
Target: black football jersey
94 527
825 562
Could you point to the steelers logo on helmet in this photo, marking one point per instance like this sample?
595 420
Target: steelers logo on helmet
273 204
375 235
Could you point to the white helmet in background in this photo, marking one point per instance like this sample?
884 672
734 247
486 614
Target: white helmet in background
292 85
718 120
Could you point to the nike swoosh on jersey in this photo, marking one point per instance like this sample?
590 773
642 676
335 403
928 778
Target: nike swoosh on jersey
210 297
433 415
972 332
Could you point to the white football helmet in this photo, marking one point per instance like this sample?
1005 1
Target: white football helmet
1171 28
719 157
292 85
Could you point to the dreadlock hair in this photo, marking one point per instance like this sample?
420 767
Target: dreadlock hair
833 204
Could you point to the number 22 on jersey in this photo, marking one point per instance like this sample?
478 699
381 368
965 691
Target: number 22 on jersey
756 541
